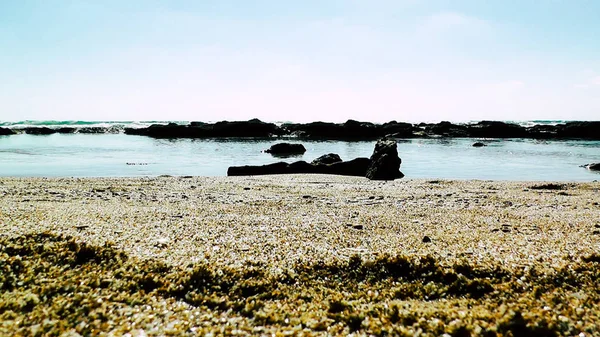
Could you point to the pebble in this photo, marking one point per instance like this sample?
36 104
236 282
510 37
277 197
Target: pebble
162 242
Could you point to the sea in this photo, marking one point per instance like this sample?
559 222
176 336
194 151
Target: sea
119 155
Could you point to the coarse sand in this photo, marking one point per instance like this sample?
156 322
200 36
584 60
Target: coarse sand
298 255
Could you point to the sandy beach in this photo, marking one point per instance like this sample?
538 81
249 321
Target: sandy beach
298 255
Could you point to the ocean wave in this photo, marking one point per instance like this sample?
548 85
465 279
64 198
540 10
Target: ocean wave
55 124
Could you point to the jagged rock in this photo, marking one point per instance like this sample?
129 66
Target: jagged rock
385 163
327 159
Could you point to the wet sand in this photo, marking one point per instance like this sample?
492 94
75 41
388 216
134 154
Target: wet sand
308 254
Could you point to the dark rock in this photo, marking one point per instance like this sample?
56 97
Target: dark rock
286 149
327 159
39 131
359 227
6 131
592 167
93 130
355 167
355 130
275 168
579 130
350 130
426 239
398 130
543 131
447 129
251 128
301 167
66 129
385 163
494 129
479 144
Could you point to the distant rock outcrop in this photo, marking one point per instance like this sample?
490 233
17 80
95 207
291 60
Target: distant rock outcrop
39 130
251 128
6 131
355 130
479 144
494 129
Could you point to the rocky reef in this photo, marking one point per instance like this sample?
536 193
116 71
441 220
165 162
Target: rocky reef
349 130
355 130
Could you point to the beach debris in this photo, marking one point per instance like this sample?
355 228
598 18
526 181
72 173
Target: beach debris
385 163
479 144
327 159
82 227
550 186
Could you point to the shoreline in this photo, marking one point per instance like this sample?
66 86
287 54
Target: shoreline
277 225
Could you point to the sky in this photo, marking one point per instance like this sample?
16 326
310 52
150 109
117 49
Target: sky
329 60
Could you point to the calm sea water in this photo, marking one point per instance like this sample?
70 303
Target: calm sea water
107 155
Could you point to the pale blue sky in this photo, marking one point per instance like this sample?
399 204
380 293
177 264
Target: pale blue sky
375 60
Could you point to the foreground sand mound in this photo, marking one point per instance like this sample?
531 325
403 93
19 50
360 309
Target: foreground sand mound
52 284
